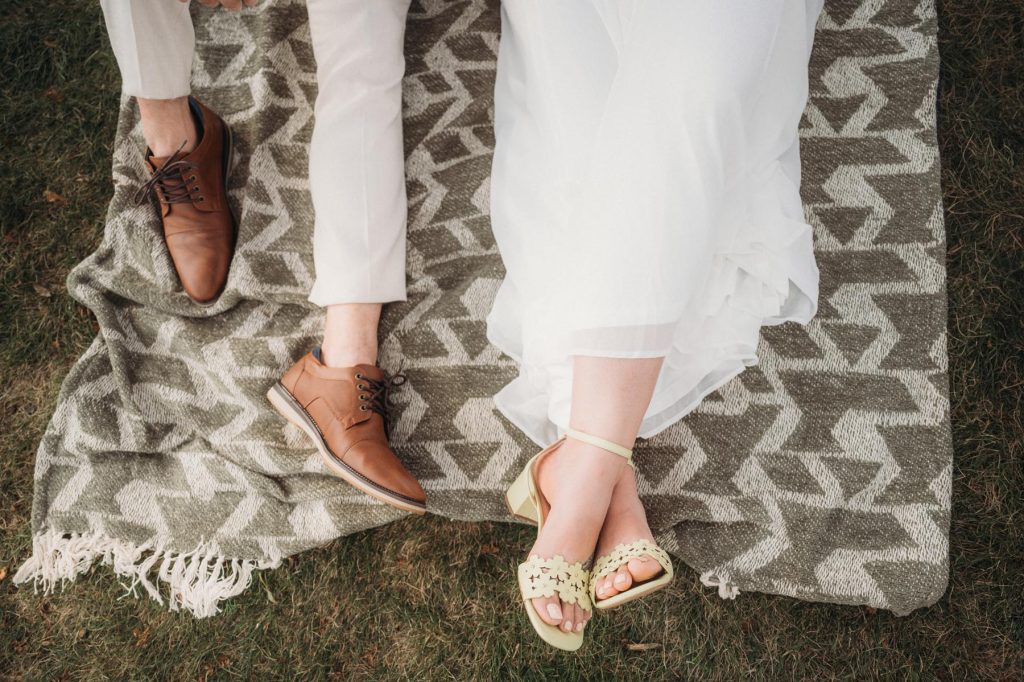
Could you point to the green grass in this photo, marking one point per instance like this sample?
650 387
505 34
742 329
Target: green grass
433 599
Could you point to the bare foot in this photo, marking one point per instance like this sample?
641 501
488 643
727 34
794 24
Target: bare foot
625 522
577 480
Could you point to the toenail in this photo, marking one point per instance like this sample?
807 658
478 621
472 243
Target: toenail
568 626
579 627
620 579
554 611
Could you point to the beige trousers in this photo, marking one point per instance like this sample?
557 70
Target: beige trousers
356 159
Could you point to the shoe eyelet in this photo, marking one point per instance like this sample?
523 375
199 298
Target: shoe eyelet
201 199
191 178
362 408
360 377
362 396
361 387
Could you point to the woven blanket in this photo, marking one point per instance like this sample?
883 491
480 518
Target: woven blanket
822 473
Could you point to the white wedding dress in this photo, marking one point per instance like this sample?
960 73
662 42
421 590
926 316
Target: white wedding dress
645 193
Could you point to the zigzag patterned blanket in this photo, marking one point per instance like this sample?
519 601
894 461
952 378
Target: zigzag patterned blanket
823 473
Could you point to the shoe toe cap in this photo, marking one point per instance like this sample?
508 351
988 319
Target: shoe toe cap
378 463
201 262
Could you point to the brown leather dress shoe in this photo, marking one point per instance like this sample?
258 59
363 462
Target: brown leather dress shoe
198 226
343 410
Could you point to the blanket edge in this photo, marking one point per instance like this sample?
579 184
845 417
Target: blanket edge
197 581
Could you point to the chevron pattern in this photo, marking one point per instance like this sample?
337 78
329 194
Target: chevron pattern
822 473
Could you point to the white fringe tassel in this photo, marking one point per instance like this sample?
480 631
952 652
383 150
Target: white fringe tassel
198 580
726 590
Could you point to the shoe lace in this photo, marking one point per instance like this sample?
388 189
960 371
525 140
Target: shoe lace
171 182
376 394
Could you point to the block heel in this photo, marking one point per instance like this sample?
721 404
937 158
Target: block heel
519 498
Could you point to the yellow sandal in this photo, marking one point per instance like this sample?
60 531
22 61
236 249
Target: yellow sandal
625 552
539 577
620 556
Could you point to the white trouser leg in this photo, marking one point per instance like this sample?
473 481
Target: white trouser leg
356 158
153 42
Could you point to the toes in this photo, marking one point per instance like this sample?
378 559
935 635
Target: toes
582 616
622 580
643 568
575 618
586 619
549 609
605 588
568 617
638 570
599 588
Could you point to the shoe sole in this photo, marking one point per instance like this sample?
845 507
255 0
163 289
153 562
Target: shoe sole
291 410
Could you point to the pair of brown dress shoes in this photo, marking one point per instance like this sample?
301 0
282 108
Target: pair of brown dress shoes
342 410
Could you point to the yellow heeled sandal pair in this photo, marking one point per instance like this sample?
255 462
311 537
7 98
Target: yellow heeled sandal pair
574 583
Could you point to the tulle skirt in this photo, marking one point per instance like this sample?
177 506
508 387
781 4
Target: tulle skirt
645 193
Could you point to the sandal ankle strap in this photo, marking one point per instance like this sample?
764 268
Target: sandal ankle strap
611 447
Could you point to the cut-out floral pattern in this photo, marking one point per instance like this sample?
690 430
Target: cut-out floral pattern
548 577
623 554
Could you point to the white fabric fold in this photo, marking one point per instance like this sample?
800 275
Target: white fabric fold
645 193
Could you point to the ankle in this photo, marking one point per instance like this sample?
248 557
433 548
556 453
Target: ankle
350 334
168 125
599 464
347 355
580 476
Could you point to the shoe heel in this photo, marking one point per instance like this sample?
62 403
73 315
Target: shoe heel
518 498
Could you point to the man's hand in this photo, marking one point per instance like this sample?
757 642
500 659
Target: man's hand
233 5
